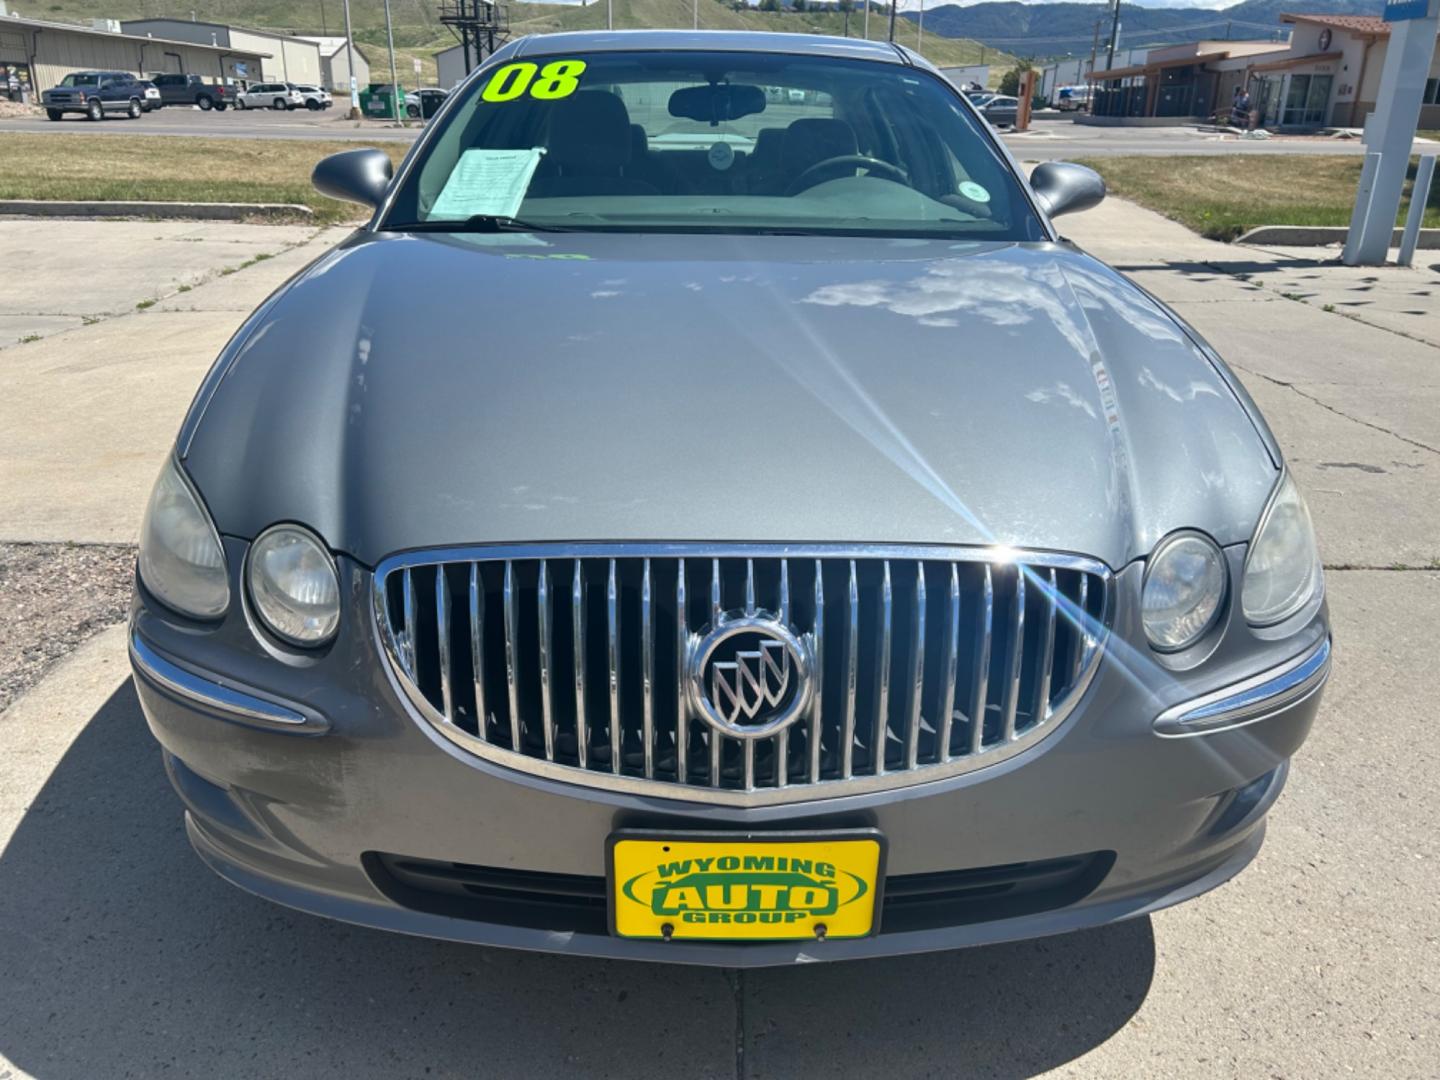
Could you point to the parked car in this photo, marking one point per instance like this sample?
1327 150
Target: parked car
96 94
191 89
424 102
979 98
315 97
814 558
271 96
152 100
1001 110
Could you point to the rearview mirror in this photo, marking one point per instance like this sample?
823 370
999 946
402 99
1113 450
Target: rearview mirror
361 176
717 102
1062 187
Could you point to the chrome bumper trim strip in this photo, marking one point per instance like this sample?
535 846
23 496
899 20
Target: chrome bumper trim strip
1250 701
210 693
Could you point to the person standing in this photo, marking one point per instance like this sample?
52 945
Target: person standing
1240 109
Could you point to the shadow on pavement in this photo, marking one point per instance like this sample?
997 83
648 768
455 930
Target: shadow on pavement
120 954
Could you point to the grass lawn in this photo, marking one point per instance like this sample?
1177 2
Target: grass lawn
1220 197
121 167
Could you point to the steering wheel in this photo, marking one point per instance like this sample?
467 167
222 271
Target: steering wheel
815 173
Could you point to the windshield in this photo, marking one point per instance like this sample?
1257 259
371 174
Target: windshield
715 142
81 80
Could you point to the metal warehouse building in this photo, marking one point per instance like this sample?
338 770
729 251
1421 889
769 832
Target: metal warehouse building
286 58
35 55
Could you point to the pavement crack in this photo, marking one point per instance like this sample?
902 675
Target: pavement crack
1397 568
737 983
1338 412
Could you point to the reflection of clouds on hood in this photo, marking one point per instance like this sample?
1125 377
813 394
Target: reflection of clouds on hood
1002 294
1097 288
1189 392
1062 392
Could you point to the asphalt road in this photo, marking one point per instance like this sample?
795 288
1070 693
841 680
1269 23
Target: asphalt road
1049 139
330 123
1054 139
121 955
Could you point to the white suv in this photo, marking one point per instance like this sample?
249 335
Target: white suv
316 97
271 96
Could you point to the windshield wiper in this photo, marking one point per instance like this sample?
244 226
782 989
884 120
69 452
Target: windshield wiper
475 223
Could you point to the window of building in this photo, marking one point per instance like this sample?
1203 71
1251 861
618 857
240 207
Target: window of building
1306 102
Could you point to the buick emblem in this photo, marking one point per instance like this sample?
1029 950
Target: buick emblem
749 676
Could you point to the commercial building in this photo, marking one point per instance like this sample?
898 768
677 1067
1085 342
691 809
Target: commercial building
1327 74
1170 83
36 54
967 75
1072 70
334 63
287 58
450 67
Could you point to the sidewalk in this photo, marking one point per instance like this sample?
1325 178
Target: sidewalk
96 370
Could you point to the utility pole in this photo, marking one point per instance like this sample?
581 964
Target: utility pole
697 14
1095 45
350 66
867 20
609 14
1114 35
324 30
894 4
396 104
920 28
847 22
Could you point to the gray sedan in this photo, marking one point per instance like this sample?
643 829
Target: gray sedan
694 523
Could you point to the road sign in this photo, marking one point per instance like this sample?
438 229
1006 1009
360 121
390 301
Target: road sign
1404 10
1390 129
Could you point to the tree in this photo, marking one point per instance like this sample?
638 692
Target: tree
1010 81
797 5
769 5
845 5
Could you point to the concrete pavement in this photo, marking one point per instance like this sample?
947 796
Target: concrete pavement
109 361
120 954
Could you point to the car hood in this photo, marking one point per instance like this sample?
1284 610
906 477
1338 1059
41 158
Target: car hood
410 391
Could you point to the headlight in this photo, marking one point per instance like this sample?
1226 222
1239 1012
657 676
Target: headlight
1184 586
1282 571
294 586
181 560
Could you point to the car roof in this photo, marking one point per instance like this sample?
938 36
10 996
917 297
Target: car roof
753 41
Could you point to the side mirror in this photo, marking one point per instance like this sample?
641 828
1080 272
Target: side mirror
1063 187
361 176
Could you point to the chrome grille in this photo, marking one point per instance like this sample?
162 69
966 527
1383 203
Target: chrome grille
571 661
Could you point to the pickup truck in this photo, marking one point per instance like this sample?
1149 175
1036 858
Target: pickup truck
95 94
192 90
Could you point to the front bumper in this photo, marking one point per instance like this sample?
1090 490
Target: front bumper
296 771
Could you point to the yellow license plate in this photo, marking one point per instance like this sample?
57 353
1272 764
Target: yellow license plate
751 887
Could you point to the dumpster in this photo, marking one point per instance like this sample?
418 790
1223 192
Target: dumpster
377 101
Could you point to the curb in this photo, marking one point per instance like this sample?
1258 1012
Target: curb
1320 236
189 210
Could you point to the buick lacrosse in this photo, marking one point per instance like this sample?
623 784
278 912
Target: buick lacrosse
708 514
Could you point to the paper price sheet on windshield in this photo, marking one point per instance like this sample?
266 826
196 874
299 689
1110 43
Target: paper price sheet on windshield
489 182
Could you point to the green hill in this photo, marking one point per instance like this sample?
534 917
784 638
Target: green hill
419 33
533 18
